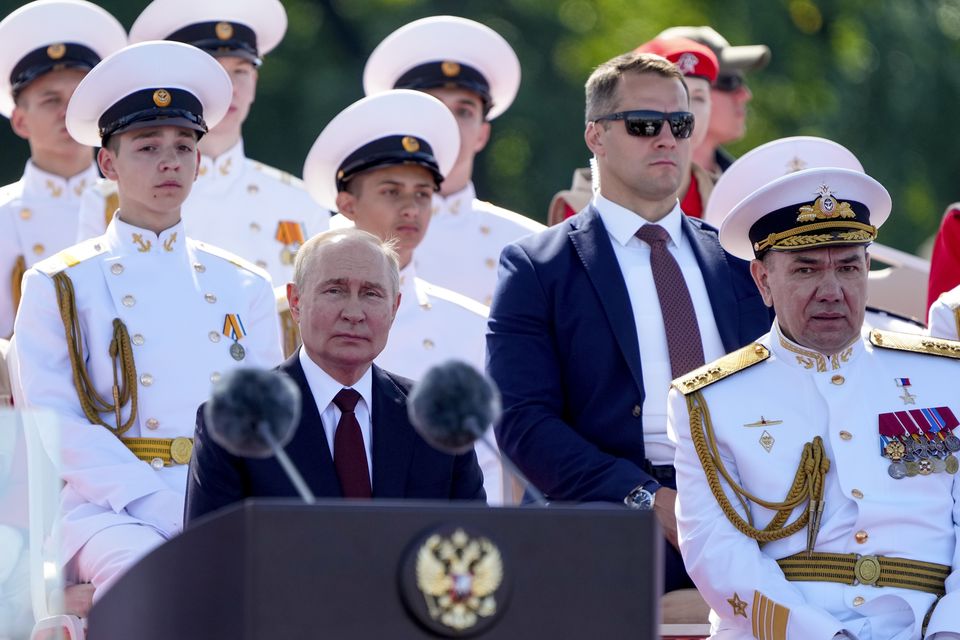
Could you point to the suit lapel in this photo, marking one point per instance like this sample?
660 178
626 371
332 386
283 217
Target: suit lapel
592 242
716 276
393 438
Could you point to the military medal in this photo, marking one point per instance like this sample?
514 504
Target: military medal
907 397
291 235
233 329
894 450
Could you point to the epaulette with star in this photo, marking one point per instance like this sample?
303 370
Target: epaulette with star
232 258
915 343
71 256
721 368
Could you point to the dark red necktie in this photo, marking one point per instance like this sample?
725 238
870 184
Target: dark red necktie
679 318
349 455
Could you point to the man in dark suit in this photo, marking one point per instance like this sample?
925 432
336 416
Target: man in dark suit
354 439
628 279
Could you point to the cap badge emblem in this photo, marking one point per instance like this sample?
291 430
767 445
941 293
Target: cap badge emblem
56 51
826 207
450 69
224 30
162 98
410 144
687 63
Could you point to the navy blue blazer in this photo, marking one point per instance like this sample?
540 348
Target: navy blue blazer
562 347
404 465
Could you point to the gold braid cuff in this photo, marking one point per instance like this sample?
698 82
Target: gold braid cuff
807 487
121 353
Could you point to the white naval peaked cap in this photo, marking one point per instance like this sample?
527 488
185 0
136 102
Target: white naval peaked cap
767 163
446 51
808 209
390 128
246 28
167 83
51 34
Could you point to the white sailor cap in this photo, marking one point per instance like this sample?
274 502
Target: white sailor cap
767 163
809 209
243 28
53 34
446 51
145 84
390 128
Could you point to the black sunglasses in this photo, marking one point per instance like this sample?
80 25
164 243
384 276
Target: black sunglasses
649 123
728 83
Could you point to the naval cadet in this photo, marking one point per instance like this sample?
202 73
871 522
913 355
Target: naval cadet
379 163
123 335
474 71
816 467
45 50
255 211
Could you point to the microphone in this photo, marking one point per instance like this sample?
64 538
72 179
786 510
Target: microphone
452 407
253 413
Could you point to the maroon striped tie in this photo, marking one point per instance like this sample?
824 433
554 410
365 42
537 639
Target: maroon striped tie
679 318
349 455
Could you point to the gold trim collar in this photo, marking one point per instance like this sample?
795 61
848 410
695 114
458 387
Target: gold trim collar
809 359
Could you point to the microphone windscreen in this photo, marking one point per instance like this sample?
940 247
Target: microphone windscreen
452 406
244 399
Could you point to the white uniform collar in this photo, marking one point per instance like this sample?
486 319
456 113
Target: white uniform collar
413 288
324 388
126 239
622 224
455 203
225 167
37 183
793 354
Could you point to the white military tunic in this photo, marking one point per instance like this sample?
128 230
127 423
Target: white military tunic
944 317
39 216
434 325
257 212
462 247
802 394
173 294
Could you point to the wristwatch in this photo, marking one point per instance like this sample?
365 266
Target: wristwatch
640 499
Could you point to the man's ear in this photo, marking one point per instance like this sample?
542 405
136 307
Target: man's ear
196 171
293 301
592 136
18 122
107 162
347 205
761 277
483 137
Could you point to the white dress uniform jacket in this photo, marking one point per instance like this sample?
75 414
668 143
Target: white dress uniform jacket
799 394
254 211
434 325
39 217
462 247
944 317
173 295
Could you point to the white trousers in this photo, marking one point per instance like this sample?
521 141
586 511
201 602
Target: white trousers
111 552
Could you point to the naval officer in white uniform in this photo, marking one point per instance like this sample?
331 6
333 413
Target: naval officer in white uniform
944 316
46 48
817 468
474 71
255 211
379 162
122 335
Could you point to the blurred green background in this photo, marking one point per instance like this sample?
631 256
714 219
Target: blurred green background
879 76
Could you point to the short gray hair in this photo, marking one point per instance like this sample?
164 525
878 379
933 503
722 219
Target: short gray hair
601 87
314 246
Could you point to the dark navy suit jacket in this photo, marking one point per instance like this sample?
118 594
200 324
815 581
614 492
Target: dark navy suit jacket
562 347
404 465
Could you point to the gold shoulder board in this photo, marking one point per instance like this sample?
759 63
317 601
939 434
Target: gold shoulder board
71 257
915 343
232 258
721 368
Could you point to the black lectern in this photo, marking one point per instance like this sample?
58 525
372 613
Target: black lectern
269 570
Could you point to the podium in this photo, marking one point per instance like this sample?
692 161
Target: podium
275 569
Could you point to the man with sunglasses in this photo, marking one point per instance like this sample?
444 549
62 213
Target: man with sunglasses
729 95
595 316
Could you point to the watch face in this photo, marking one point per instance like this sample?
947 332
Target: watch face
640 499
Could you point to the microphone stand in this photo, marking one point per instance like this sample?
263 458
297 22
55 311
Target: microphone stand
512 469
263 430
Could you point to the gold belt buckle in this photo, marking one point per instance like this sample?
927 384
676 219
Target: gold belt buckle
867 570
180 450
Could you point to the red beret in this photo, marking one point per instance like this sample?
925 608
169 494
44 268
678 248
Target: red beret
693 58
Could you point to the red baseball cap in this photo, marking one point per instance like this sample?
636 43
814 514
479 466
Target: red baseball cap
693 58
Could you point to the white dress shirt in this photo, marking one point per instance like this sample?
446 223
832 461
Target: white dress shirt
633 256
324 388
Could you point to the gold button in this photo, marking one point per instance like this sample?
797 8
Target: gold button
152 423
846 435
859 600
491 263
856 493
39 249
138 339
128 301
214 336
861 536
157 463
485 230
838 379
427 343
199 267
209 297
262 264
146 379
254 227
25 214
215 377
488 300
252 188
116 269
637 411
